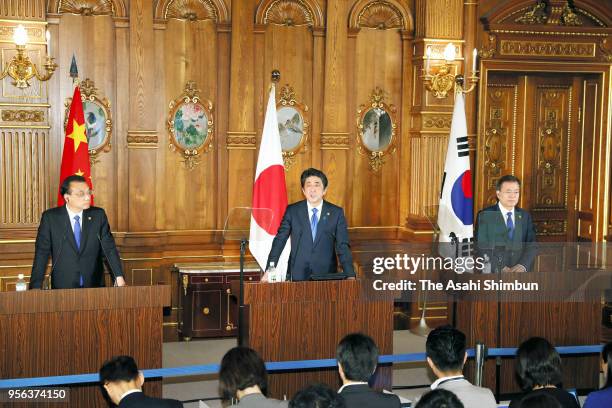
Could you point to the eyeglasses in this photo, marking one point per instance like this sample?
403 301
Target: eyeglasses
82 194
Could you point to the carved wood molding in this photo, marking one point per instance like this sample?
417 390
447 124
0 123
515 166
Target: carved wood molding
589 13
380 14
241 140
142 139
22 115
115 8
557 49
334 141
192 10
290 13
551 227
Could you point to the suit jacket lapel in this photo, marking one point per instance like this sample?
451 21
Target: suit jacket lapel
86 229
323 218
68 229
518 225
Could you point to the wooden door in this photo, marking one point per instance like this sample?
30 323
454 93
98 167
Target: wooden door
531 128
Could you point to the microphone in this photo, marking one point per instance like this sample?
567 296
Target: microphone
110 265
56 260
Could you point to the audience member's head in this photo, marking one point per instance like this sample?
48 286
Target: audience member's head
606 364
357 356
537 364
445 350
242 369
317 396
119 375
539 400
439 398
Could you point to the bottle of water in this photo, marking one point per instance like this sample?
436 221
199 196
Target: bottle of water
21 284
271 273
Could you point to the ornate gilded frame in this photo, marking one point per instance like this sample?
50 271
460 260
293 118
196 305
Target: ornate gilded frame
287 101
89 94
191 95
376 156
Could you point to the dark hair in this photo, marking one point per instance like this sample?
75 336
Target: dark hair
313 173
537 363
317 396
119 368
606 356
439 398
508 178
358 355
241 368
539 400
446 347
65 187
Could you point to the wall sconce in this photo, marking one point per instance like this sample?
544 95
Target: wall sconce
439 80
20 68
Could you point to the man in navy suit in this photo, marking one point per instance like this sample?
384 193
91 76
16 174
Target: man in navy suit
504 232
76 236
318 232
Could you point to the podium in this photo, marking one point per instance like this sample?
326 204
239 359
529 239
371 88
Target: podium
73 331
291 321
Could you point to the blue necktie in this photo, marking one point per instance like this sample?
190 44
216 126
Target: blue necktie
313 223
77 238
510 225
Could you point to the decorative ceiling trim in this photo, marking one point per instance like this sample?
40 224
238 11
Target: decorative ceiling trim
380 14
290 13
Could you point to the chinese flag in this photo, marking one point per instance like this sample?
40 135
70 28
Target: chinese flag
75 159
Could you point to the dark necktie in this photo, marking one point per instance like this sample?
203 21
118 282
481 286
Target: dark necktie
510 225
313 223
77 238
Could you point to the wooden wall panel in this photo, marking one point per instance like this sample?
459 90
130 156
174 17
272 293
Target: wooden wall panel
190 189
23 9
374 193
290 50
23 163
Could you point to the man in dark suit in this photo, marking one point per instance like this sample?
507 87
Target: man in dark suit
318 232
76 236
357 357
123 383
504 232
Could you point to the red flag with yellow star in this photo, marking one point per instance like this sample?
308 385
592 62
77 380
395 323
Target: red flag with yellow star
75 159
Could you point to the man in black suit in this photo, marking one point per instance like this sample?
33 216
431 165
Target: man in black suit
76 236
318 232
357 356
504 232
123 383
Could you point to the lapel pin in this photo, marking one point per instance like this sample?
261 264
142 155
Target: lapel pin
88 218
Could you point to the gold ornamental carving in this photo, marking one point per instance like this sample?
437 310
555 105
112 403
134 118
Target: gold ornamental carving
87 7
569 16
535 14
190 125
551 227
191 10
606 50
36 34
547 48
293 125
489 48
142 139
381 15
98 119
289 13
22 115
376 129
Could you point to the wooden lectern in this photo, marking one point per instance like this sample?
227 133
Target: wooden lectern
73 331
305 321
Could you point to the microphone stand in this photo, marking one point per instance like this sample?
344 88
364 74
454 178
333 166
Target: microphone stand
241 336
